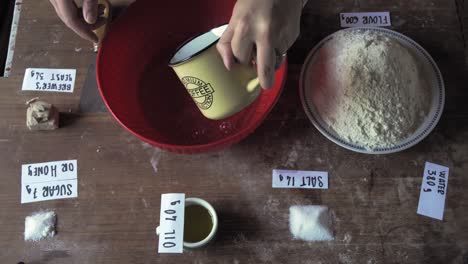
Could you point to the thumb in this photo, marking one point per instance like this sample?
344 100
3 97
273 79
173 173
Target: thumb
90 11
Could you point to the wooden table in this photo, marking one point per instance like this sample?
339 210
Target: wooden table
121 179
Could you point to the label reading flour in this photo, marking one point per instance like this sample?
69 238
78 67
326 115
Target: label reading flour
49 181
300 179
372 19
49 80
171 223
433 191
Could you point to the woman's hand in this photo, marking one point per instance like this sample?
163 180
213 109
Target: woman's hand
83 24
261 29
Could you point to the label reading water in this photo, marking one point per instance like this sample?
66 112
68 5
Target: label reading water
171 223
370 19
49 181
49 80
433 191
300 179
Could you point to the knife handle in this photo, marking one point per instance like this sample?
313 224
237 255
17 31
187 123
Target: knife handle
107 15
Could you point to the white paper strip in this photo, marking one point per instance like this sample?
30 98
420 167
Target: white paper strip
369 19
171 223
49 80
433 191
49 181
300 179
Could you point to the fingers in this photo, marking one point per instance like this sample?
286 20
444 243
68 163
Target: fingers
281 50
279 59
234 44
100 22
266 29
241 44
54 4
69 14
83 30
266 60
90 11
224 48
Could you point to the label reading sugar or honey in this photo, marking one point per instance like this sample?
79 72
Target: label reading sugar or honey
367 19
433 191
49 80
171 223
49 181
300 179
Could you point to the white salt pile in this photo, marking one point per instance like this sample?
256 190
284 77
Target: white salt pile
311 223
369 89
40 225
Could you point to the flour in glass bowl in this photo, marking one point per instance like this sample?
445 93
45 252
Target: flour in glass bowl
369 89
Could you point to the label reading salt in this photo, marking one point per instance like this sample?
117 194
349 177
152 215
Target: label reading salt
300 179
369 19
433 191
49 80
171 223
49 181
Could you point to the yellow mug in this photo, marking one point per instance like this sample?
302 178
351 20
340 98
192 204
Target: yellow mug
217 92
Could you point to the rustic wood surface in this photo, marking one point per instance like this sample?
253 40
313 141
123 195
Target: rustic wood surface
121 179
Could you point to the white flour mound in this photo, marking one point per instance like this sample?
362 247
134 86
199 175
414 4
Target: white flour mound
39 226
311 222
368 89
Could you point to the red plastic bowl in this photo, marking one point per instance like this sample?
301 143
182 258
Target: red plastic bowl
145 95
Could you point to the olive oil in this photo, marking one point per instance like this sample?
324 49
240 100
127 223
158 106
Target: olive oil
198 223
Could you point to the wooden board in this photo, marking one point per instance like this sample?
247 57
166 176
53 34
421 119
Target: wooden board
374 198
